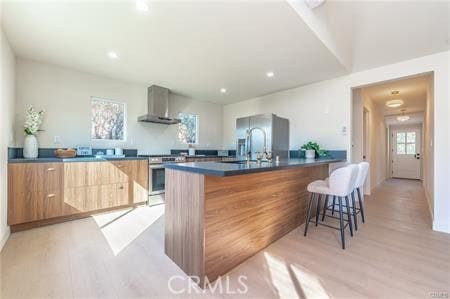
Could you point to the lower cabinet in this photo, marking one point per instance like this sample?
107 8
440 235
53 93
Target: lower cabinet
97 197
39 191
35 205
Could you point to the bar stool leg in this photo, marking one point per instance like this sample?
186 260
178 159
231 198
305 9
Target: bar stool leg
341 222
325 207
355 215
308 215
349 216
361 206
319 200
334 203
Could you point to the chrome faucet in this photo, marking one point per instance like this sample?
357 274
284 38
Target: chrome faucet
248 137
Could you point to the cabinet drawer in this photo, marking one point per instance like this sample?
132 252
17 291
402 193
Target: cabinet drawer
105 173
91 198
31 177
33 206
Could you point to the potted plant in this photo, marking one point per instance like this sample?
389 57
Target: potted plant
312 149
33 121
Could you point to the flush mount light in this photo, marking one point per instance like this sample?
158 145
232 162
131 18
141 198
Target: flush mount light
223 90
142 5
394 103
403 117
270 74
112 55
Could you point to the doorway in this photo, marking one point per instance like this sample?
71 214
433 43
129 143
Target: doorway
379 111
406 153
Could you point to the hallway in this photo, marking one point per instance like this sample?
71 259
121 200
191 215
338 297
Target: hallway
395 254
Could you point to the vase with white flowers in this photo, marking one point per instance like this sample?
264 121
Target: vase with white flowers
33 121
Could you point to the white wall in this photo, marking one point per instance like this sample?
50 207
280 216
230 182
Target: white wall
377 142
307 108
311 118
7 69
65 94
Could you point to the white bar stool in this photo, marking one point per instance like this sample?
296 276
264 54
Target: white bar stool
340 184
363 171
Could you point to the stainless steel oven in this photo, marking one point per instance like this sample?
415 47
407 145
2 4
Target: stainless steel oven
157 176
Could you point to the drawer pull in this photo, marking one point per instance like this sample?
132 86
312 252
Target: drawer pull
51 195
50 169
121 187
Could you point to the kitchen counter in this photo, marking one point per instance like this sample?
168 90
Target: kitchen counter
76 159
219 214
232 168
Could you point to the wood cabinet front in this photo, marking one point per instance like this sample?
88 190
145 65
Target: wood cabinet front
33 206
38 191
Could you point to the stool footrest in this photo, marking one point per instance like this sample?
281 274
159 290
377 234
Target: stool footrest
330 226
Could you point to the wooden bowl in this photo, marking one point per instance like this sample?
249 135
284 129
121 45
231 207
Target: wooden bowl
68 153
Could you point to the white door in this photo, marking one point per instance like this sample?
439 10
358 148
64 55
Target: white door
406 153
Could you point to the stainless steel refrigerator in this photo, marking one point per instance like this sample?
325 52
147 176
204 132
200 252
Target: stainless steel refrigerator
277 135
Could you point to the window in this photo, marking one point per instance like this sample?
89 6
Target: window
107 119
406 143
188 128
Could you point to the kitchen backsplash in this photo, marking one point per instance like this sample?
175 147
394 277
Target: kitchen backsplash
17 152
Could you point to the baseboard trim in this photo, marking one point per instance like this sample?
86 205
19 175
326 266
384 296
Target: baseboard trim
4 238
427 197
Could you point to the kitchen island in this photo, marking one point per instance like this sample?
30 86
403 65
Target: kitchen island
219 214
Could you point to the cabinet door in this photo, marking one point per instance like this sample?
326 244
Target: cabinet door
75 174
122 171
31 177
91 198
33 206
138 181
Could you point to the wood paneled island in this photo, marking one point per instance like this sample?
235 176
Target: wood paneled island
219 214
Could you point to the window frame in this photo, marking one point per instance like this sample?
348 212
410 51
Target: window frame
197 127
405 143
125 119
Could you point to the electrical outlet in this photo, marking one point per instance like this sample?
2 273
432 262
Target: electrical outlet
344 131
57 139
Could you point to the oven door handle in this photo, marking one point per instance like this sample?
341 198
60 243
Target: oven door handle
156 166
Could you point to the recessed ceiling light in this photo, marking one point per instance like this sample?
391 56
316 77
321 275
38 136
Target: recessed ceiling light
142 5
223 90
314 3
112 55
394 103
270 74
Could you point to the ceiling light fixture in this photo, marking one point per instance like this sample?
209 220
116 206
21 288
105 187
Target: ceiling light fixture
270 74
403 117
112 55
223 90
394 103
142 5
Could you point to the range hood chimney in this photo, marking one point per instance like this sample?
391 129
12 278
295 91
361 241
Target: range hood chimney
158 107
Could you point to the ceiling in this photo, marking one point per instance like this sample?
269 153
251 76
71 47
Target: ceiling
413 92
194 49
197 48
386 32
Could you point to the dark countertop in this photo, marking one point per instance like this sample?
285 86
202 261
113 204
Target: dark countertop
229 169
76 159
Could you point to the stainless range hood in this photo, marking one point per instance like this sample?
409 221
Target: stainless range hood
158 107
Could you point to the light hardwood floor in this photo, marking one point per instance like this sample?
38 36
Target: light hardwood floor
395 254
